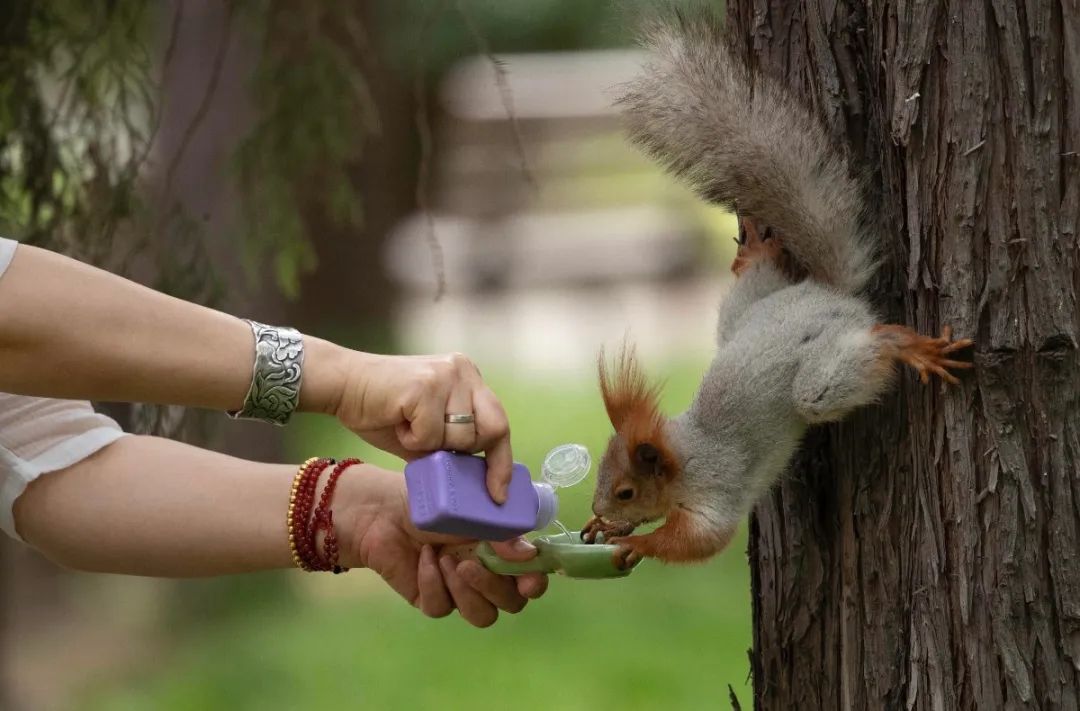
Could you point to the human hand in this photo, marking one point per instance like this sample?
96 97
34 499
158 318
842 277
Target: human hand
371 517
400 403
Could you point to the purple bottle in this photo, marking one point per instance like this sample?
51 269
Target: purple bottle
448 494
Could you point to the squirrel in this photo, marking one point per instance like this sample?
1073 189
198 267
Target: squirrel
797 343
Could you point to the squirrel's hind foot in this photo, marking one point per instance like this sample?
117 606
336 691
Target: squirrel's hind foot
754 245
764 244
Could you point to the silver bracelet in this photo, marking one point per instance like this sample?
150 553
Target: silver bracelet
275 378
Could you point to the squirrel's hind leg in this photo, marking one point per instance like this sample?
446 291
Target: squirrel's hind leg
760 273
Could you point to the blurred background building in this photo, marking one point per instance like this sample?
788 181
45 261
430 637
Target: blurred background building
486 162
553 234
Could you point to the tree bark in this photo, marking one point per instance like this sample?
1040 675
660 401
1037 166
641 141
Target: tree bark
926 553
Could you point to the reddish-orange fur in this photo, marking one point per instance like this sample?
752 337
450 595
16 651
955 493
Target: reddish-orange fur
678 540
633 407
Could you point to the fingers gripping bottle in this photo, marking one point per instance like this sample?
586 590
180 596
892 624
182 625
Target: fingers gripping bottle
447 494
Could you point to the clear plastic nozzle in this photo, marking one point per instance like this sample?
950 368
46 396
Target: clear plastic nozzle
566 465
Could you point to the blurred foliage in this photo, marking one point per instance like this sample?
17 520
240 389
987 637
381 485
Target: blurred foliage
79 107
314 111
666 637
76 120
78 117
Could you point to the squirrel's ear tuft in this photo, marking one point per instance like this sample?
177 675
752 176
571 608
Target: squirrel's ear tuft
627 393
633 407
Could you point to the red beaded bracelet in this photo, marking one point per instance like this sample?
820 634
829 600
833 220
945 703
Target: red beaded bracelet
301 500
324 518
297 511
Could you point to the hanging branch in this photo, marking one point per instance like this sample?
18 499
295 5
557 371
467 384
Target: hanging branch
506 95
166 64
423 179
204 103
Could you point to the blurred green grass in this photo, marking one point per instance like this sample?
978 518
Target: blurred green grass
671 637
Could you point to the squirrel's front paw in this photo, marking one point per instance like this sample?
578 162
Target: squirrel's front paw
629 551
926 354
593 527
599 525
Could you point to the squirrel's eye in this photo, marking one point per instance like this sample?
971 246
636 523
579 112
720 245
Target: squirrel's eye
625 494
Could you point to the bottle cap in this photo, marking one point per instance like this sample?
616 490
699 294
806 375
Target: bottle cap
549 505
566 465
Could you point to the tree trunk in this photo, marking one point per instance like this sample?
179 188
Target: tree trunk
926 553
349 297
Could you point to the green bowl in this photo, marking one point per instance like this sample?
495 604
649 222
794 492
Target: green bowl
560 553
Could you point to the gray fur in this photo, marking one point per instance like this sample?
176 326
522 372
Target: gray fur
743 142
789 354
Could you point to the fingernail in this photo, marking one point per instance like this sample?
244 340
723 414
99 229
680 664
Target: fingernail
520 545
427 555
469 571
446 564
534 586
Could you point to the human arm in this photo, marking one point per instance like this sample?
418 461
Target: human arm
69 330
149 506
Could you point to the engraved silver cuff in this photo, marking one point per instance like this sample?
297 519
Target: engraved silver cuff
275 380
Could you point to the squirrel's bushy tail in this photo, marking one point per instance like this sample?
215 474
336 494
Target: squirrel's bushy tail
745 143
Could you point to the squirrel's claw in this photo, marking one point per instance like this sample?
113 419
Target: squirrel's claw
597 525
755 245
926 354
627 555
591 528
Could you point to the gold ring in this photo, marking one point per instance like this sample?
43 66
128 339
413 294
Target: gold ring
460 419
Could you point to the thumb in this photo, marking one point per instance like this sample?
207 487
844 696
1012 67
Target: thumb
516 549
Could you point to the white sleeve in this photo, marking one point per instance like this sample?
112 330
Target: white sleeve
7 251
40 435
